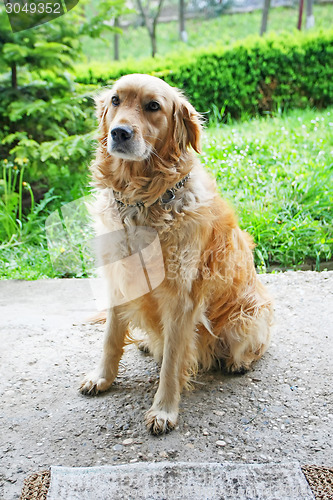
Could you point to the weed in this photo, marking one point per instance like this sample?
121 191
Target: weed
11 198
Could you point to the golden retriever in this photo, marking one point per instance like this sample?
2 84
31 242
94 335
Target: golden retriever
209 307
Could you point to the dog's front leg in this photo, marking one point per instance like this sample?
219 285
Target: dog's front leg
100 379
178 344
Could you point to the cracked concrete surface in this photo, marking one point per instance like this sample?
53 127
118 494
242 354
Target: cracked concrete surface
280 412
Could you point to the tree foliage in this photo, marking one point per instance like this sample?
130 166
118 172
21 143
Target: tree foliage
45 116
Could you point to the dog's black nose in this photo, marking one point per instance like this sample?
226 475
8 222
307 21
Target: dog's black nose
121 134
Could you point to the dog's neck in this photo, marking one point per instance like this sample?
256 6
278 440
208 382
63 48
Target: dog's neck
163 200
140 182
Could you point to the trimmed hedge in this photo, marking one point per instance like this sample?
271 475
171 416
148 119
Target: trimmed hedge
253 76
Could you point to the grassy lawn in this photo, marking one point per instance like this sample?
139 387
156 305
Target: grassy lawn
224 29
277 172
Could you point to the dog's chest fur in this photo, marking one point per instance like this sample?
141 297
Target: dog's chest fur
180 227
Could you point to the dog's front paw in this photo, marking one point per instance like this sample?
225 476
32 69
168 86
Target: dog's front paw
93 383
159 421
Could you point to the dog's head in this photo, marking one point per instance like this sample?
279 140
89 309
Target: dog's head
143 118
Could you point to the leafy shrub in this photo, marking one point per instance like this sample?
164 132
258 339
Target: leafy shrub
42 112
47 122
45 116
253 77
47 119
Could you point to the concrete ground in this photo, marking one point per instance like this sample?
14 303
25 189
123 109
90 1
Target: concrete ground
280 412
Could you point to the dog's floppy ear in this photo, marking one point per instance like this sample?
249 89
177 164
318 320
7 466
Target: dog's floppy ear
187 125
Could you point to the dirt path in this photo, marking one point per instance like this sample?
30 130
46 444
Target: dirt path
281 411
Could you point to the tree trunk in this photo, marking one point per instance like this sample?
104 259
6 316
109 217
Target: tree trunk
264 18
182 29
310 20
151 24
14 75
155 20
300 14
152 34
116 40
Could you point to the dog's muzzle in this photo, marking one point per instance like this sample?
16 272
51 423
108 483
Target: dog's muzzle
125 143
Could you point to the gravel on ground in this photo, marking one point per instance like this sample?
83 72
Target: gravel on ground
281 411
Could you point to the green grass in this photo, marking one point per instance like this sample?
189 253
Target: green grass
277 172
26 262
224 29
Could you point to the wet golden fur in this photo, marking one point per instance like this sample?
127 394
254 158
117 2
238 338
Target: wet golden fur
210 307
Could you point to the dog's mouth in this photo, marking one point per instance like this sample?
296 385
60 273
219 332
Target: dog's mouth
119 150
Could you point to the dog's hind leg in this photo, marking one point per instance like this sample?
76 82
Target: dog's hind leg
143 346
246 342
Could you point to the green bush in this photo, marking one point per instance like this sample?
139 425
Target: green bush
251 77
47 120
42 111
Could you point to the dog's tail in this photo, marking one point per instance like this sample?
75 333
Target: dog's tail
98 318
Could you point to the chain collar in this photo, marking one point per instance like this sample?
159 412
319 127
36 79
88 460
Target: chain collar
168 196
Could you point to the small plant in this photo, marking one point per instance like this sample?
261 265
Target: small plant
12 187
217 116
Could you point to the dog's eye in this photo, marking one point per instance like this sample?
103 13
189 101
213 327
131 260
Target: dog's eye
115 100
153 106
